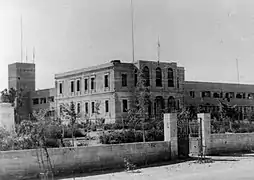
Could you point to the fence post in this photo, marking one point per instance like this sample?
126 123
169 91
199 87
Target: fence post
170 133
205 131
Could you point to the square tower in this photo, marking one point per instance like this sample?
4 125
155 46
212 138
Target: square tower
21 76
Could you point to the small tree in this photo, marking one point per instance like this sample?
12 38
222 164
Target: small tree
139 112
70 114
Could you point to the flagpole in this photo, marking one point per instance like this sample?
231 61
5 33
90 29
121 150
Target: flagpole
158 49
21 39
132 33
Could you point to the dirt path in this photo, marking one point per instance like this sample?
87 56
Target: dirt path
222 168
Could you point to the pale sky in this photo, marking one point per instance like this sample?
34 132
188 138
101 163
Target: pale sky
204 36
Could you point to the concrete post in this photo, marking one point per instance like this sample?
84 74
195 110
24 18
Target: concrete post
206 131
170 133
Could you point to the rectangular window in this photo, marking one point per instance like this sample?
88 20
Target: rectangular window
192 94
35 101
106 81
43 100
106 106
125 105
72 86
86 108
60 88
78 85
93 108
92 83
86 84
124 80
205 94
78 108
51 99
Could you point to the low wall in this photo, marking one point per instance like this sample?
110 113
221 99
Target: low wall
227 143
24 164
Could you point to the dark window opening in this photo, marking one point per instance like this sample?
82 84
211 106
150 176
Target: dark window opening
60 88
125 105
158 77
146 76
72 86
43 100
35 101
170 77
106 106
78 108
135 77
205 94
92 83
106 83
86 107
86 84
124 80
93 108
78 85
216 95
192 94
51 99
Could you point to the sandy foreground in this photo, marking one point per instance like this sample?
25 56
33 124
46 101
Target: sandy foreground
222 168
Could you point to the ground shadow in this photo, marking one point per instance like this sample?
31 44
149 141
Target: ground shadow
136 170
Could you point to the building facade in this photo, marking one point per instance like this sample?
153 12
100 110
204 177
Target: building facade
110 86
106 91
207 95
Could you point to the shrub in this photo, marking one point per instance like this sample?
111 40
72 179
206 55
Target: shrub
130 136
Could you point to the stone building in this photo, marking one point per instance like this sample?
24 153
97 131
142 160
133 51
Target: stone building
111 86
207 96
21 76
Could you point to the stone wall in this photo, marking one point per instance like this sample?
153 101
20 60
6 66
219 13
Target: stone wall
7 116
20 164
227 143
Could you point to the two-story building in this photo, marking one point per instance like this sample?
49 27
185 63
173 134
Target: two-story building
107 90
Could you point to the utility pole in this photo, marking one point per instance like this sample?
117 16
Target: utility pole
132 33
237 68
21 39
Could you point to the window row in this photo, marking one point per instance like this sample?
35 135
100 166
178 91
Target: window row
42 100
94 107
158 77
75 85
238 95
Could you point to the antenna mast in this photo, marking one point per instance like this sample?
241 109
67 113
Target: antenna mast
158 49
132 33
21 39
237 68
33 54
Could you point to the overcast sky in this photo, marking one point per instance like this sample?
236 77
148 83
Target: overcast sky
204 36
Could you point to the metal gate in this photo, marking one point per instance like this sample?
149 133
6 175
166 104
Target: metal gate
188 137
183 137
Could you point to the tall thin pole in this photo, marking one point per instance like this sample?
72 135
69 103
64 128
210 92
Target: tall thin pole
21 39
237 68
33 54
132 33
158 49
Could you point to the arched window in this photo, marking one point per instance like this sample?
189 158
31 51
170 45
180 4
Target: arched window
158 77
170 77
171 104
159 105
146 76
135 77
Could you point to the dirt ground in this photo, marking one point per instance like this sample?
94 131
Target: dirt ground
222 167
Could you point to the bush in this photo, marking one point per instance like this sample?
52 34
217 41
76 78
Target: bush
130 136
77 133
